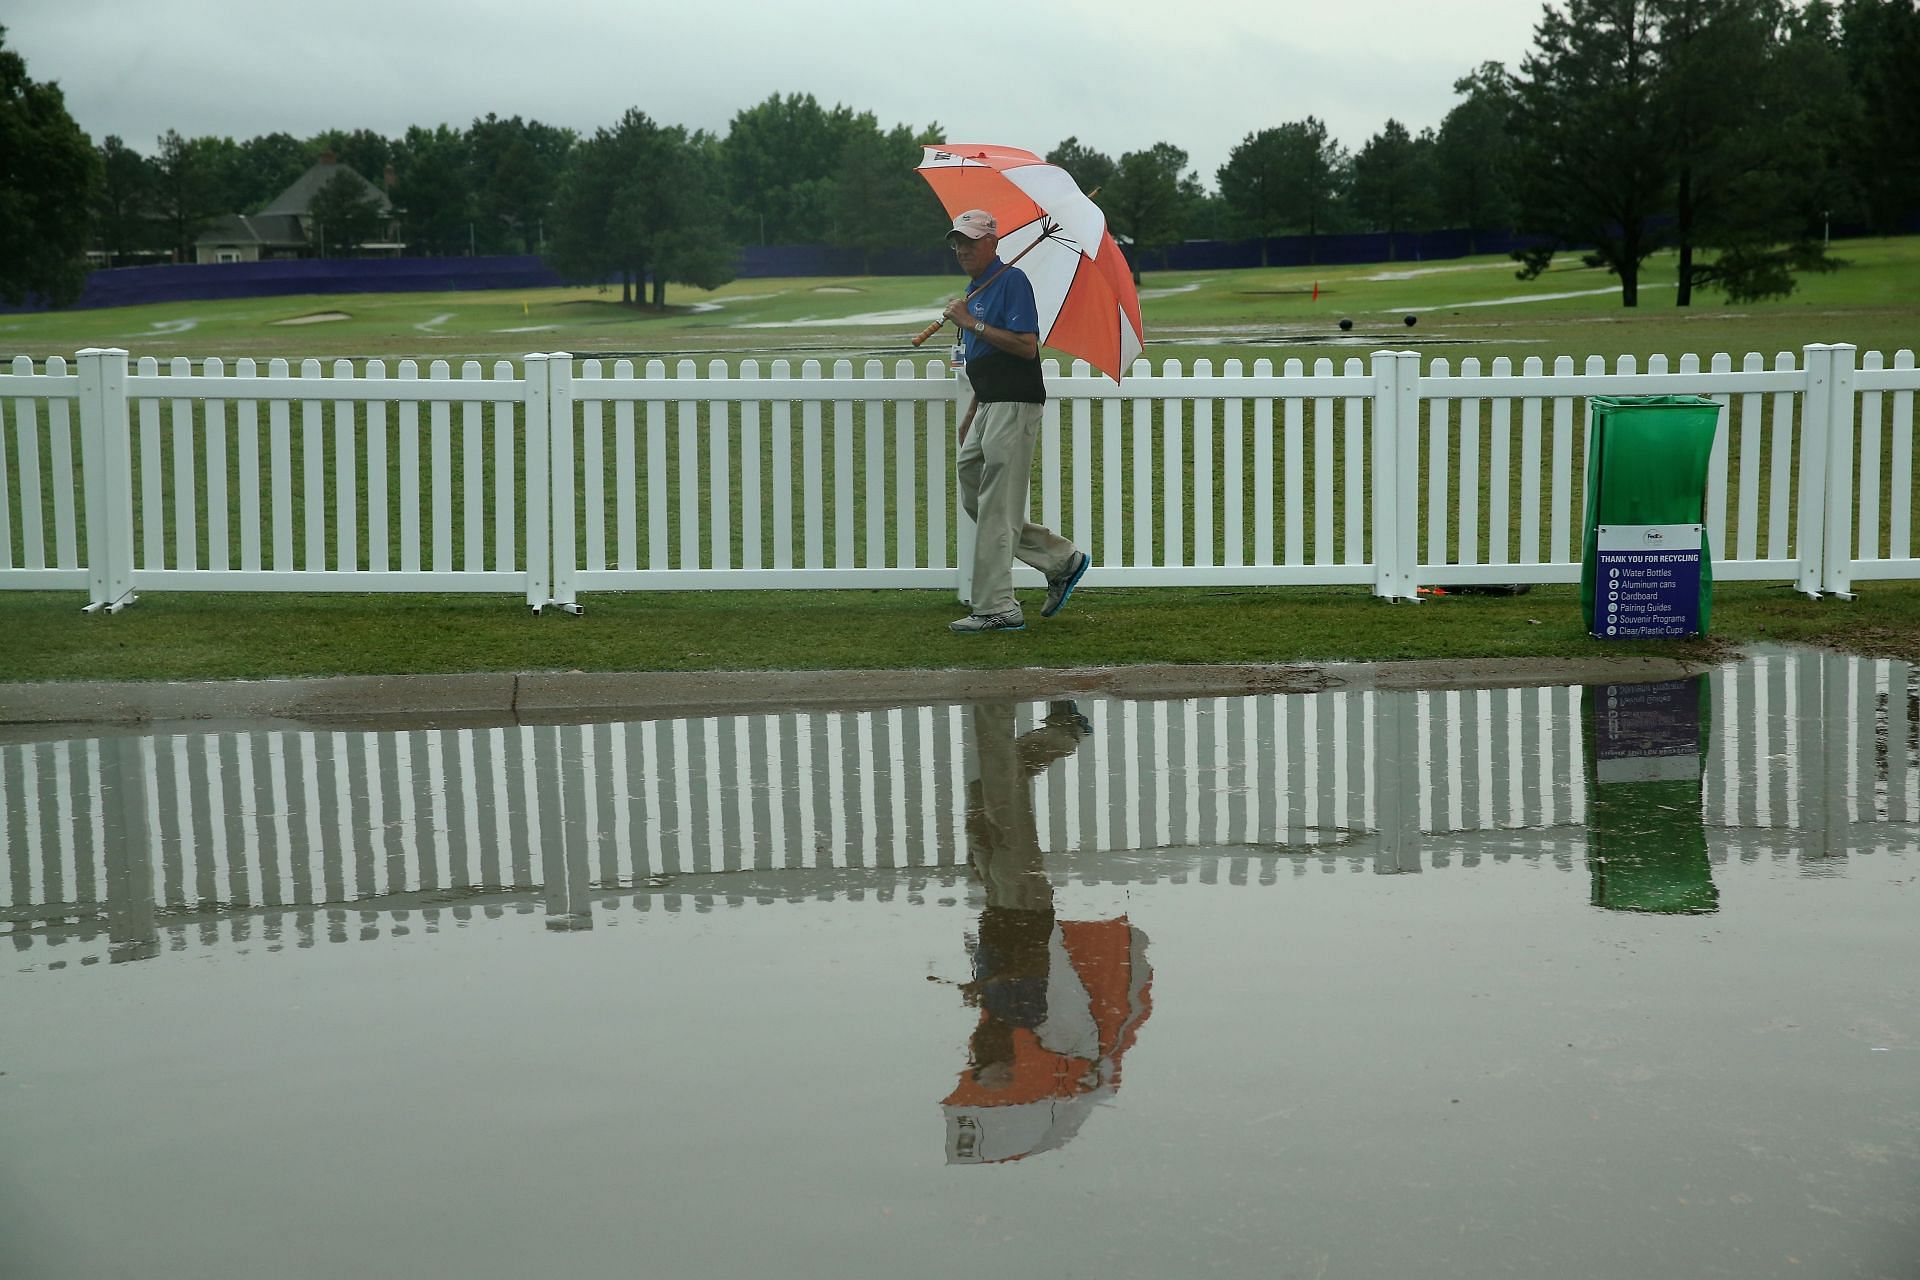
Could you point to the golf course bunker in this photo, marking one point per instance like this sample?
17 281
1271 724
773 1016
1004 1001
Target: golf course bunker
836 288
1172 290
904 316
317 317
1414 273
1605 977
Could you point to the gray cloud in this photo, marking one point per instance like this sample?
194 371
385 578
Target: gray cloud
1119 75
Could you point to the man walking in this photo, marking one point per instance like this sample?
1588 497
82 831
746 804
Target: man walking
1000 326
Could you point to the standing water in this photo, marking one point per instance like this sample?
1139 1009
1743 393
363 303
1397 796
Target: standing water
1614 981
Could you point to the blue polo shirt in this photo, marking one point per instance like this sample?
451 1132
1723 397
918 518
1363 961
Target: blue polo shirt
1007 303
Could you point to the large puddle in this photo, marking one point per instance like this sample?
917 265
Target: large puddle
1615 981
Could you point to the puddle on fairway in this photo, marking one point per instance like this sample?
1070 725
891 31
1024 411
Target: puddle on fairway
1616 980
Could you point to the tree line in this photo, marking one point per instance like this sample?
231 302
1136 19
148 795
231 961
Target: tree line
1733 132
1729 131
639 200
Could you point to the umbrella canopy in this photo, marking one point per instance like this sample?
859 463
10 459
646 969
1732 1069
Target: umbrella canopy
1098 994
1081 284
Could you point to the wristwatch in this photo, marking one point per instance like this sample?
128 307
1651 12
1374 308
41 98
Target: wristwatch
979 326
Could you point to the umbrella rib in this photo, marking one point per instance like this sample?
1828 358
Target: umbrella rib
1045 233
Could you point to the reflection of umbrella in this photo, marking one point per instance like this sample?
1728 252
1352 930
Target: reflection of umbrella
998 1135
1097 993
1088 306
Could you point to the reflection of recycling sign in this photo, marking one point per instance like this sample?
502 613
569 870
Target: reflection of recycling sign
1649 580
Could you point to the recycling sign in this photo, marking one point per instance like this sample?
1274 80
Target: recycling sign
1648 580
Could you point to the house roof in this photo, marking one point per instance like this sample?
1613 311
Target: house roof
259 228
298 198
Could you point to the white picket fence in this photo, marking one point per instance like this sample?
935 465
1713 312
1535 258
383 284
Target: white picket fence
546 480
119 842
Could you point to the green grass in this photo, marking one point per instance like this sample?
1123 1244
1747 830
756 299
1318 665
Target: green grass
184 636
1189 315
1247 315
452 326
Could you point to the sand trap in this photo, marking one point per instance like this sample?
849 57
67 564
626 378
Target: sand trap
318 317
1173 290
917 317
428 326
836 288
1414 272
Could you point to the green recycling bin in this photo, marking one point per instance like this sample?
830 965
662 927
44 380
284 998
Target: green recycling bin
1646 567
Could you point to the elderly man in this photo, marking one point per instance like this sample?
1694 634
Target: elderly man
1000 326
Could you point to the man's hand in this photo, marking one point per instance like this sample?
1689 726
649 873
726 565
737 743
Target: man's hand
956 312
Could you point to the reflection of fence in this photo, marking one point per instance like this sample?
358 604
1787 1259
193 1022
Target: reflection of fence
128 838
532 480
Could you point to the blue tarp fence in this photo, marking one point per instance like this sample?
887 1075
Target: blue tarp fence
128 286
195 282
1192 255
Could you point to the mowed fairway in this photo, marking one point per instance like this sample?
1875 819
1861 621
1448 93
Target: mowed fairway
1466 307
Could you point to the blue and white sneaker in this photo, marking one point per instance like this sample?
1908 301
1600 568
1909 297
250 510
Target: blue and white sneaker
979 623
1060 588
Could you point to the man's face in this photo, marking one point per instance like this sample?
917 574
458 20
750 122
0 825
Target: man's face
973 255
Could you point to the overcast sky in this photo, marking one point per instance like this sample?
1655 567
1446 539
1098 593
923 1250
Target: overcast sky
1118 74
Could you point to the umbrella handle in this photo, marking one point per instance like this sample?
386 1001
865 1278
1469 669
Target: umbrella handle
1047 230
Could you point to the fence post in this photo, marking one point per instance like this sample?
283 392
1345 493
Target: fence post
1407 462
106 458
538 528
1396 419
1810 523
1838 543
1385 482
566 534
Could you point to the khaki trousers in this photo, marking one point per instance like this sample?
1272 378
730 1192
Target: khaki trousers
995 466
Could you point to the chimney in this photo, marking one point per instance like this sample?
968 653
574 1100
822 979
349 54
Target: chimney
389 178
327 157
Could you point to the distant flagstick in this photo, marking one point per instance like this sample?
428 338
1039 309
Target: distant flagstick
934 328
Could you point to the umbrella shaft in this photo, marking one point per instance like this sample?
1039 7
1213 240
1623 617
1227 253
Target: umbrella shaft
1005 267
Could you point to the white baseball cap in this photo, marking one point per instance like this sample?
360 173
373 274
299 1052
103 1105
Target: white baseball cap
975 223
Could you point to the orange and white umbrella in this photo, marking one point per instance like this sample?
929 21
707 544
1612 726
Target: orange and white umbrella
1099 992
1081 285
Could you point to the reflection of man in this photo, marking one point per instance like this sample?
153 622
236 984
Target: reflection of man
1000 325
1060 1001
